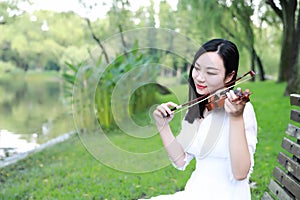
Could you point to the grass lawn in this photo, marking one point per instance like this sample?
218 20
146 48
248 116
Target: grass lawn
68 171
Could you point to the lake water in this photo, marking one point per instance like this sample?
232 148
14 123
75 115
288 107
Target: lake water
33 110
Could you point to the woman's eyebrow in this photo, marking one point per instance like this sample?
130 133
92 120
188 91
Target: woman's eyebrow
212 68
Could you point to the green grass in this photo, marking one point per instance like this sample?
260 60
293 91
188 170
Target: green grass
272 113
68 171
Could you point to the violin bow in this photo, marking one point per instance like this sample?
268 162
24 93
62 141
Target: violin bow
209 95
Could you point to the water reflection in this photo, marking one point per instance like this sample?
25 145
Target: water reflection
32 107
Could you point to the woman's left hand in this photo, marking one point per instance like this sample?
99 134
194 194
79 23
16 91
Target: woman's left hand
233 105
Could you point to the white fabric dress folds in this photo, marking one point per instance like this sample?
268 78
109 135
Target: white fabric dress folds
208 143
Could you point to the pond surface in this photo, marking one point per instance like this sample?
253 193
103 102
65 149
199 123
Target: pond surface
33 110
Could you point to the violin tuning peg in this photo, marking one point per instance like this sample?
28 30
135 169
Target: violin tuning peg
252 73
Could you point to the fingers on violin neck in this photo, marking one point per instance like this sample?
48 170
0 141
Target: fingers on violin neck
238 92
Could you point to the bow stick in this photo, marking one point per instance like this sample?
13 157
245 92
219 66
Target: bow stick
209 95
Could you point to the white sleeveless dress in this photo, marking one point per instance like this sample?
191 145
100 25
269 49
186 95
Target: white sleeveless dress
212 178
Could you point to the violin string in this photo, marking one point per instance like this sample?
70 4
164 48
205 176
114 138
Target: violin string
220 89
224 89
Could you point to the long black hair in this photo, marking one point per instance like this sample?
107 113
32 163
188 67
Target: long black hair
230 56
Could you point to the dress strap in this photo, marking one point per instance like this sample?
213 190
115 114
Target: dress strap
214 132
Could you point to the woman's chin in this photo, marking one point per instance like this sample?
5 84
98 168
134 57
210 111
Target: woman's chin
201 92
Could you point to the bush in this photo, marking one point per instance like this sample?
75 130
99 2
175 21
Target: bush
7 67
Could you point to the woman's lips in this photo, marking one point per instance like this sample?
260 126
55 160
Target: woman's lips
201 87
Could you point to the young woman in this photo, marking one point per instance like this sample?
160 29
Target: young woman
222 141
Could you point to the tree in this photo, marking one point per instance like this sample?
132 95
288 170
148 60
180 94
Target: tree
241 12
286 11
10 10
118 17
27 46
293 85
230 19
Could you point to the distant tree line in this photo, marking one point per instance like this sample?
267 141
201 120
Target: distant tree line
267 34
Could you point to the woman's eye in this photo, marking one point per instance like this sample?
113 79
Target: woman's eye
211 73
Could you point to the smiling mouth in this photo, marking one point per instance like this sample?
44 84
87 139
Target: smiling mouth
201 87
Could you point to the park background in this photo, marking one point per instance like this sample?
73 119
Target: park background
44 46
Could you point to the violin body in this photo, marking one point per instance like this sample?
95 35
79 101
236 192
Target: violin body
217 101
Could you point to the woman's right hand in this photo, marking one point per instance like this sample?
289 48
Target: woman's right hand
163 114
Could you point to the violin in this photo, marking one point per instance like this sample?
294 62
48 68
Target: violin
217 97
217 101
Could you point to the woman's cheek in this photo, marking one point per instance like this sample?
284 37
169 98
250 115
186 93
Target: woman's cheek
194 74
215 82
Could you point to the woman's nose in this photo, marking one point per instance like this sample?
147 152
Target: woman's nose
200 77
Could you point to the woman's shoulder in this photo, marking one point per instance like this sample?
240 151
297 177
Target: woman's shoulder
249 114
249 108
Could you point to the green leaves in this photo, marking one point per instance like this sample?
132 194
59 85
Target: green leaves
108 79
113 73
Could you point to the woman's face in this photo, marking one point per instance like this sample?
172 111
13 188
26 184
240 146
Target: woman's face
209 73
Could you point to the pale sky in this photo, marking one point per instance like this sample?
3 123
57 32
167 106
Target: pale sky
99 11
102 8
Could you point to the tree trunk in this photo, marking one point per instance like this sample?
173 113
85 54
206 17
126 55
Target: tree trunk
260 66
286 54
287 16
253 63
288 39
293 85
251 50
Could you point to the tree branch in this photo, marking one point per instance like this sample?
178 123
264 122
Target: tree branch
97 40
122 39
227 31
275 8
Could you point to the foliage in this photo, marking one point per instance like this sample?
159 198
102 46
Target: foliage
5 8
42 40
6 67
140 100
57 174
66 39
289 14
69 77
77 94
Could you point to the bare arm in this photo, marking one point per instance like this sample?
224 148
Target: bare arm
238 146
173 148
